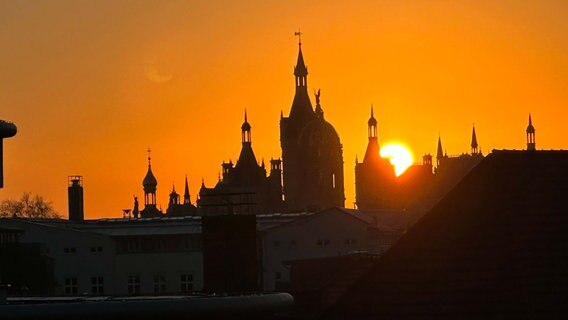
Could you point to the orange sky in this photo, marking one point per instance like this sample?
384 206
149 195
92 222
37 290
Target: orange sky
92 84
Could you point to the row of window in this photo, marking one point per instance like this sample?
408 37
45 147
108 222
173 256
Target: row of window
71 286
320 243
185 284
73 250
158 244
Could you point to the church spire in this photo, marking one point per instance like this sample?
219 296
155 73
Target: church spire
474 146
300 71
302 109
440 151
531 142
186 196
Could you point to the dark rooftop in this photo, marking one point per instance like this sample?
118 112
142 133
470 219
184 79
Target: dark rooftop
496 247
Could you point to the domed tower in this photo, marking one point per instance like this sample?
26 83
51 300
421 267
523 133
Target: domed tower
312 155
150 185
531 142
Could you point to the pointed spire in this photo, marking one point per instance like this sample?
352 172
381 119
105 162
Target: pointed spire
530 127
356 159
474 146
300 70
440 151
186 196
202 183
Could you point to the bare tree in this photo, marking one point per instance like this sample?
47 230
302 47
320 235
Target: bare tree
29 206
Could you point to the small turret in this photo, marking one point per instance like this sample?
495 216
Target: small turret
372 125
149 184
474 146
531 141
246 131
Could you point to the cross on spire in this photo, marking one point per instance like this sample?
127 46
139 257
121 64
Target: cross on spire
149 156
299 35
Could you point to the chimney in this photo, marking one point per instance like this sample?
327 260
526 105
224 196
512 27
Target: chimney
75 195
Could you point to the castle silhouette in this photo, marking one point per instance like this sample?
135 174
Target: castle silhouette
309 176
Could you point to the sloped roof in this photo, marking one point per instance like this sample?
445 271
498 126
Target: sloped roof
496 247
352 213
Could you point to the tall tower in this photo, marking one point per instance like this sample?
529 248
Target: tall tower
531 142
474 146
312 154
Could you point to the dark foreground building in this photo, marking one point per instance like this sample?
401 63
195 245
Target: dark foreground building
496 247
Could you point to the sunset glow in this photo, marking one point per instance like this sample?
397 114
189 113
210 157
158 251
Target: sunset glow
400 157
91 87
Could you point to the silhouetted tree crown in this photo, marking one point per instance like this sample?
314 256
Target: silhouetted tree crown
28 206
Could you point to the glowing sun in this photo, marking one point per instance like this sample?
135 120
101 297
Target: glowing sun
400 157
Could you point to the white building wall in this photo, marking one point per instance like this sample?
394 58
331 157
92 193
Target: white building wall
171 265
327 234
71 253
73 257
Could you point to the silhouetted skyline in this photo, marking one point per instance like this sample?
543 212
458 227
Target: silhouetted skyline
91 87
